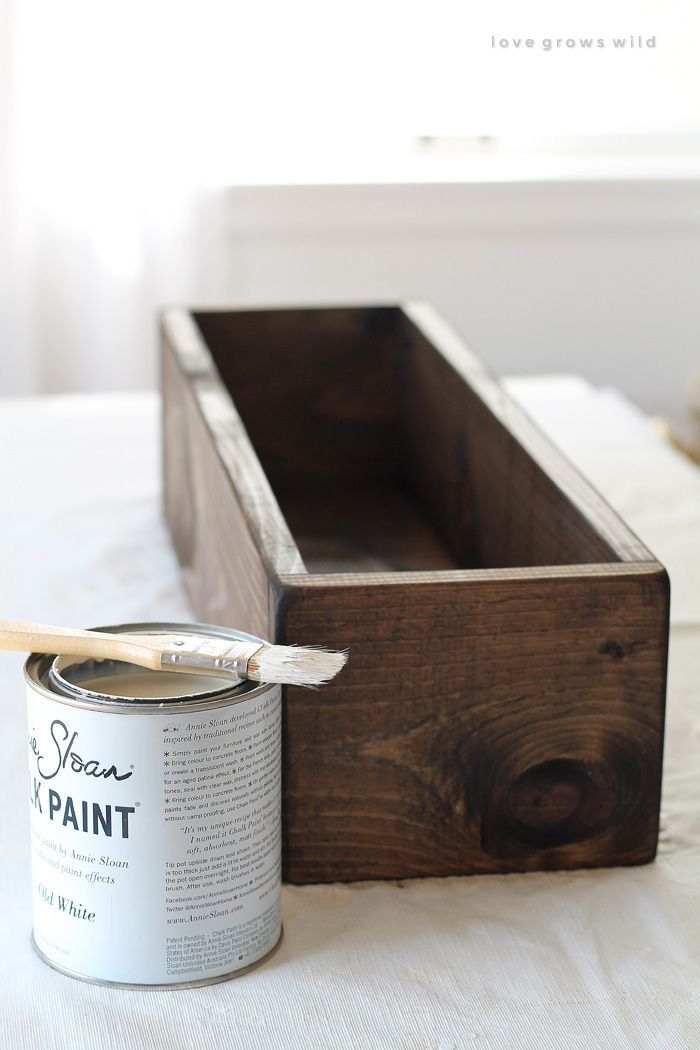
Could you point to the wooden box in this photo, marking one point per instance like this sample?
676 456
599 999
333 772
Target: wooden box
354 477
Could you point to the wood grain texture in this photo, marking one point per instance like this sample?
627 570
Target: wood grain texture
316 390
363 528
495 502
223 570
483 726
577 505
353 477
200 420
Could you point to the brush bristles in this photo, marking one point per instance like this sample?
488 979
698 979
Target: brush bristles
295 665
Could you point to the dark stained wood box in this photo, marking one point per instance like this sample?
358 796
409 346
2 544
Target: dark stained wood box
354 477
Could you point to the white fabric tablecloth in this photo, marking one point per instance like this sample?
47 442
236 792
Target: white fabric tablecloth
570 960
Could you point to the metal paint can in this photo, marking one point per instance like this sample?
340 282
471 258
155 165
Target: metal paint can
155 818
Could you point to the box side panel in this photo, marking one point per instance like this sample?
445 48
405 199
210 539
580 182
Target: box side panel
223 571
316 390
509 725
493 480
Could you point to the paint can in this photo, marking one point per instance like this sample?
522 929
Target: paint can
155 818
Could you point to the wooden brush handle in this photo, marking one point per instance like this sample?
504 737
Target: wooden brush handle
38 638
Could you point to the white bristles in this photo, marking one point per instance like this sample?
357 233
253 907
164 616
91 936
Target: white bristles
295 665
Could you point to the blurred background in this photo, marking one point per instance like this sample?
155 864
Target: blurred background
546 199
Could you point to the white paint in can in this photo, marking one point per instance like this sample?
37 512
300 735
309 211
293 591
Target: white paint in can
155 825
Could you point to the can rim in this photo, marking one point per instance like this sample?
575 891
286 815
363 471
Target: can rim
37 663
129 986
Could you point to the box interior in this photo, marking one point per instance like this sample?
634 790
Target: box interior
381 456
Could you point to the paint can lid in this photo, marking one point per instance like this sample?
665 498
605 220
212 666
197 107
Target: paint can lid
106 683
113 679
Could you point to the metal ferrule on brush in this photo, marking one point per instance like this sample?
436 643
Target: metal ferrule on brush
232 662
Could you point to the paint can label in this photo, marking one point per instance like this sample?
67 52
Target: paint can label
155 838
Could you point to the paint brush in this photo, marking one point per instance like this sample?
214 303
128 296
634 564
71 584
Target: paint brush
257 660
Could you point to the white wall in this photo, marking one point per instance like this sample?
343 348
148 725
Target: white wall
597 277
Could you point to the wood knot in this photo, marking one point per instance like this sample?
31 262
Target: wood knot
556 802
617 650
